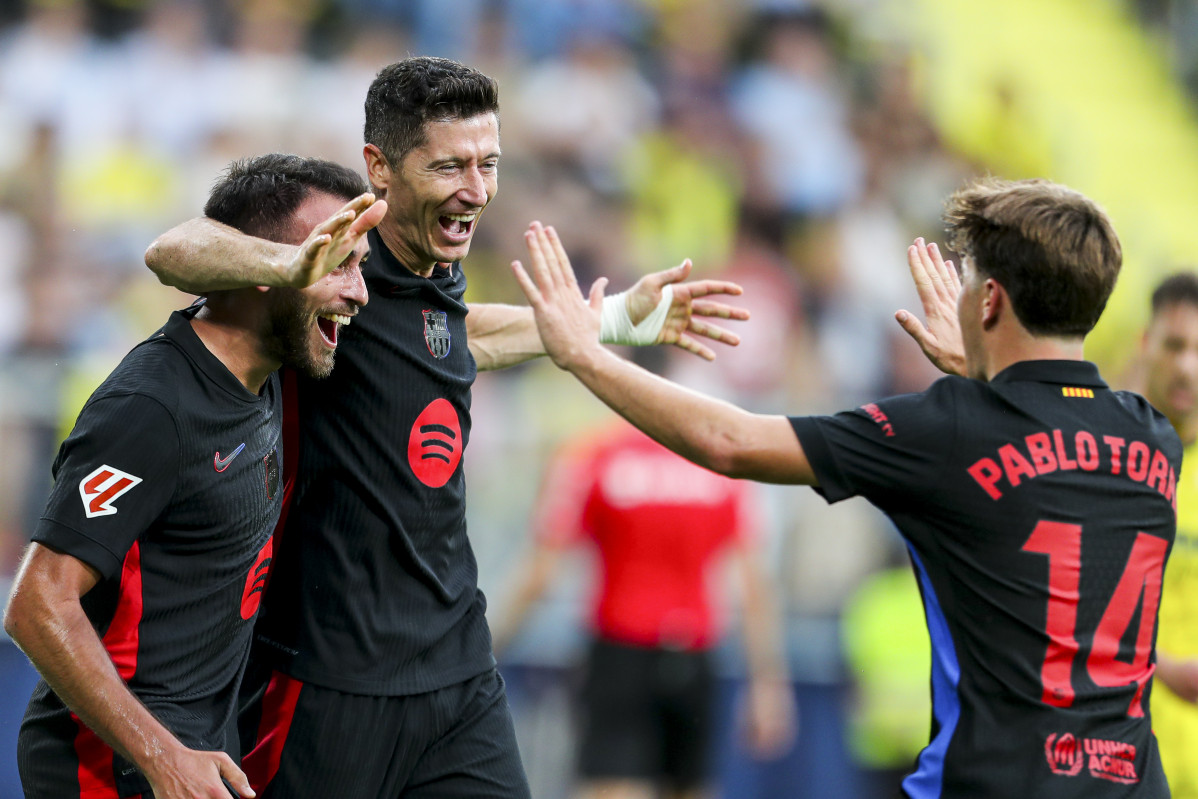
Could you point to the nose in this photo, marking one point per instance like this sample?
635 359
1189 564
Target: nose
474 187
353 288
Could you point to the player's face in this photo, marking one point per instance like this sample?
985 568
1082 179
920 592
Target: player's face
1171 362
438 191
306 323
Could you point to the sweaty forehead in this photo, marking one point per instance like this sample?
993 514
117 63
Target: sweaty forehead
474 136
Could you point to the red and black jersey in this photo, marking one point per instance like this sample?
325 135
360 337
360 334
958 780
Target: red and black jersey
169 487
374 589
1039 509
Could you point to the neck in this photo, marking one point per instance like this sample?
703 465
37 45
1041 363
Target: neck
1004 351
236 342
403 253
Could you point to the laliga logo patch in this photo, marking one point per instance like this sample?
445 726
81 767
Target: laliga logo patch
102 487
435 443
436 333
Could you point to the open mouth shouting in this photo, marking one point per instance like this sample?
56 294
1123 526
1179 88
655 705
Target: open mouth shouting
457 227
329 325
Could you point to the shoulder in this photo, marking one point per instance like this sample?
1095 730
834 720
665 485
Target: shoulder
1146 415
155 373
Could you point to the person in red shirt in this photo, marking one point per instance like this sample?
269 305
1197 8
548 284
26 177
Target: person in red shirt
659 527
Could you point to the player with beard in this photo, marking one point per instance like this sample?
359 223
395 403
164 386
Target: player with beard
379 675
137 597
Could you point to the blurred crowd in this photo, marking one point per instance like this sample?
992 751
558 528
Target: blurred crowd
779 143
774 143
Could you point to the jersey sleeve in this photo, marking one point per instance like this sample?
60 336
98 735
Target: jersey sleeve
889 452
114 475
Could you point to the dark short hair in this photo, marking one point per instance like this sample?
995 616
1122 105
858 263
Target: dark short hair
406 95
259 195
1053 249
1175 290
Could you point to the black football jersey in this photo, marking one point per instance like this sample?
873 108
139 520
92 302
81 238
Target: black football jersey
375 585
169 487
1039 510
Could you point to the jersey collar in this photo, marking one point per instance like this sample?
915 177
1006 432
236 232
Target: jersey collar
179 330
1073 373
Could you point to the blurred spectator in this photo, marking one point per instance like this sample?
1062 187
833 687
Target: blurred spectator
659 526
580 112
788 98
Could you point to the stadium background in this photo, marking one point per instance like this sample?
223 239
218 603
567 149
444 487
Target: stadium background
794 146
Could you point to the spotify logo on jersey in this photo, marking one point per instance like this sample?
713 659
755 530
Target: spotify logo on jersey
435 444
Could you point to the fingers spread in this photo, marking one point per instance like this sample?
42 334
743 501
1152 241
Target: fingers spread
713 332
526 283
719 309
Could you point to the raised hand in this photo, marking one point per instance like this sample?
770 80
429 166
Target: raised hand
331 242
681 327
567 322
938 285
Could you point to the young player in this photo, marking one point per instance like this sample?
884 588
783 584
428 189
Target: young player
1038 505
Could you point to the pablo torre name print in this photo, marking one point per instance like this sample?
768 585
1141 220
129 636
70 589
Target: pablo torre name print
1042 453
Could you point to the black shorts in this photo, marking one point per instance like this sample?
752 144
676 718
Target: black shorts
646 714
303 741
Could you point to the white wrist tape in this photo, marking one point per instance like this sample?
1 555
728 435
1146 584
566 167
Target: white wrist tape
615 326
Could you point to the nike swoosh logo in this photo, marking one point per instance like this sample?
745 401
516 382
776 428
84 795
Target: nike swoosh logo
220 464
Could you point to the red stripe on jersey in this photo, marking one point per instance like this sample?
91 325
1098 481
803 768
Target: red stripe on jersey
96 780
278 711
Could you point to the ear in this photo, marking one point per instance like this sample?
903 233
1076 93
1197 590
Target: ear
378 168
995 303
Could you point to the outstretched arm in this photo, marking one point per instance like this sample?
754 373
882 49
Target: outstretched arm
938 285
202 255
45 619
713 434
661 308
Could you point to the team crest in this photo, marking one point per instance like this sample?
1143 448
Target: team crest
436 333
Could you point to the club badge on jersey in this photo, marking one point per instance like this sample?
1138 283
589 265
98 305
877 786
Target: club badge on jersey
436 333
103 487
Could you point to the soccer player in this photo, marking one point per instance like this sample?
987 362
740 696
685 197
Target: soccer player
379 675
1170 359
1037 504
137 597
659 527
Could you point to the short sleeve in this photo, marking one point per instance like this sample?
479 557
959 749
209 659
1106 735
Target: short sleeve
114 475
890 452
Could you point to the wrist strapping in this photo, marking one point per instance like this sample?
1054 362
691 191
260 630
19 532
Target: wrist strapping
616 327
